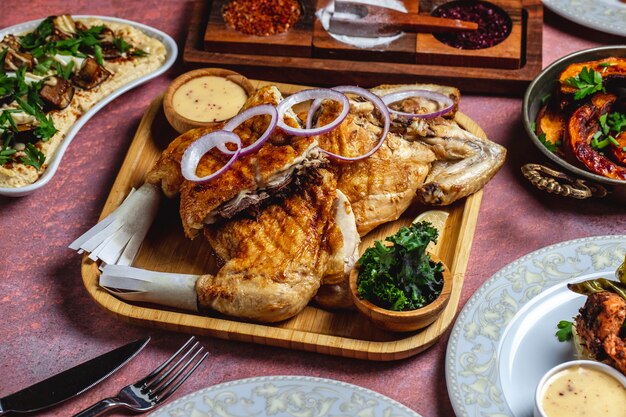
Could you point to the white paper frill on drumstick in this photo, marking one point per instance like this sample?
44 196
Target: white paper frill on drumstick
116 240
135 284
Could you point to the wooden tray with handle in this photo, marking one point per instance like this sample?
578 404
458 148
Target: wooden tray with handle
341 333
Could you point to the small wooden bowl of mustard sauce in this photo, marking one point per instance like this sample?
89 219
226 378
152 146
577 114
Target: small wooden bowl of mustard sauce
205 97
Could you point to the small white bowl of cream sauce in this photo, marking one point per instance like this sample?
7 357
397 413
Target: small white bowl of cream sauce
581 388
205 97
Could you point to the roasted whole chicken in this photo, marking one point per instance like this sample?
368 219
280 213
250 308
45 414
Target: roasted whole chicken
285 221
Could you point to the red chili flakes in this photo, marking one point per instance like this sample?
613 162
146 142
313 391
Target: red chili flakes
262 17
494 24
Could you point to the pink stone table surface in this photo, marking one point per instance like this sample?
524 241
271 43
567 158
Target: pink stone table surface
49 323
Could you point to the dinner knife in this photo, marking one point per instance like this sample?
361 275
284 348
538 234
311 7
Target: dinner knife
71 382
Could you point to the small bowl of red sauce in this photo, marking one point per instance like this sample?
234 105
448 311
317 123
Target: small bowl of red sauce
494 24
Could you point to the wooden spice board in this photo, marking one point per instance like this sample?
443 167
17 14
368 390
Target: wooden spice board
288 62
342 333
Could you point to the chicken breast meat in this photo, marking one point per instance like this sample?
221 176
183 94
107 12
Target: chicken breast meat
380 188
250 181
275 262
599 328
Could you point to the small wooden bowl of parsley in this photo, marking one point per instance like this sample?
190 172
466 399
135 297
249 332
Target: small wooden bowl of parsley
400 286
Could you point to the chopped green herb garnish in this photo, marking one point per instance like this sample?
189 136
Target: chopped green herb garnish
98 55
587 82
121 44
43 67
545 99
552 147
533 126
34 157
564 332
65 72
402 276
6 155
139 52
45 127
607 64
617 122
605 128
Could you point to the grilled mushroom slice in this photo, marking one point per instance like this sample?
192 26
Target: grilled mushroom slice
57 92
91 74
64 27
14 60
9 41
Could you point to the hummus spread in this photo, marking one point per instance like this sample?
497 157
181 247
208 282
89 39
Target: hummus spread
123 70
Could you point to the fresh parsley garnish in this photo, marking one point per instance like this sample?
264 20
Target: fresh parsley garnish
551 146
564 332
45 127
33 157
401 276
587 82
607 64
546 98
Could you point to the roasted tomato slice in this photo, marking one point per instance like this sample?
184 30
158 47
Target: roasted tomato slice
580 129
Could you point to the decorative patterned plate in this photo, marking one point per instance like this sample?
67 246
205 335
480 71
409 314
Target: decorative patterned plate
473 371
604 15
284 396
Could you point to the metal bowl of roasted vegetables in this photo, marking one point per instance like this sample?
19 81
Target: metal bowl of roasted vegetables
575 113
400 286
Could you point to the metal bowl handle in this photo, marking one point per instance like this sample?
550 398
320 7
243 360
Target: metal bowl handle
556 182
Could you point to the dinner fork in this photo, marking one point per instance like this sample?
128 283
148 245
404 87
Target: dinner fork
155 388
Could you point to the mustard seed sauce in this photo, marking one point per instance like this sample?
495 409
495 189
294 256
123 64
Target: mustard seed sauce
584 392
209 99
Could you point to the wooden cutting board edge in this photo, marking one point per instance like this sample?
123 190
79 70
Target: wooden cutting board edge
132 174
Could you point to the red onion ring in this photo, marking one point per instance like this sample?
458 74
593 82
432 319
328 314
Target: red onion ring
306 95
377 102
218 139
445 101
247 114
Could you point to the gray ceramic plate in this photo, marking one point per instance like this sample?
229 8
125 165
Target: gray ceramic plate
545 83
607 16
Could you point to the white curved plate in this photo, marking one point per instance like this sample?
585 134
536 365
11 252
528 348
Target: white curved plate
284 396
479 384
53 164
607 16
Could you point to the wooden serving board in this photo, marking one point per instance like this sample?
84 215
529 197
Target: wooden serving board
506 68
341 333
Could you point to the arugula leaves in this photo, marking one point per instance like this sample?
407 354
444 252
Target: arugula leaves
564 332
402 276
587 82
